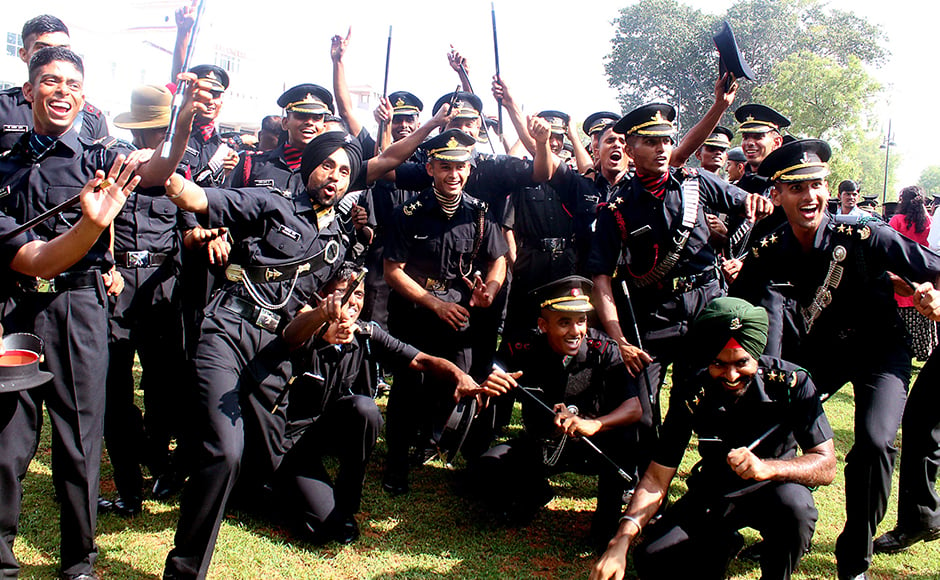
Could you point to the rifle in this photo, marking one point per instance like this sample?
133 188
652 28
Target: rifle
388 56
181 87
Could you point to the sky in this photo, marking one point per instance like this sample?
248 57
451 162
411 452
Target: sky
551 53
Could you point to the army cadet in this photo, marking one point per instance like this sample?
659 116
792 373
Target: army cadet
750 413
16 118
305 107
43 169
445 263
290 244
383 197
652 242
578 371
543 239
594 126
735 165
713 152
145 318
819 273
332 411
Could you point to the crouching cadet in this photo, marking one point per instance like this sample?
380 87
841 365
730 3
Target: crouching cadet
750 413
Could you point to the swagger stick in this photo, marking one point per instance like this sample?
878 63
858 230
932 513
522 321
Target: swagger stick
499 122
620 471
388 56
181 87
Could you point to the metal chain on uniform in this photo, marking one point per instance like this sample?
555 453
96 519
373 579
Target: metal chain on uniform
551 459
690 203
256 296
823 296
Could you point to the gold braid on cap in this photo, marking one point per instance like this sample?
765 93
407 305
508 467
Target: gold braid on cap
557 301
747 122
824 171
306 101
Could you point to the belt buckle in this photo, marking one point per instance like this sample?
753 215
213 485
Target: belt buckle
681 285
435 285
44 286
234 273
267 320
139 259
553 245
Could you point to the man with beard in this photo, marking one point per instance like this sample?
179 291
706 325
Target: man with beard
445 262
650 256
578 372
819 272
305 107
750 412
290 245
16 117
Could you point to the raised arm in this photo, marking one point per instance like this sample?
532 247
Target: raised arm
700 132
185 18
502 94
459 64
383 166
340 88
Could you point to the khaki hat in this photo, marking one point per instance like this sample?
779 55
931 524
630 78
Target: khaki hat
150 108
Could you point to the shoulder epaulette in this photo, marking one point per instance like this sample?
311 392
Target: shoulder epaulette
91 109
688 172
476 203
765 242
854 226
599 345
410 207
106 142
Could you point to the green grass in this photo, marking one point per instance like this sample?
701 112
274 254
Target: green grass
430 533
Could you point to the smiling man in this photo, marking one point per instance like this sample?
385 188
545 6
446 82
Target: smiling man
48 165
652 238
445 263
816 274
750 413
16 117
578 371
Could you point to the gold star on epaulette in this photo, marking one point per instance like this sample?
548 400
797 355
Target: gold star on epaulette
849 230
840 229
772 376
764 242
773 238
411 207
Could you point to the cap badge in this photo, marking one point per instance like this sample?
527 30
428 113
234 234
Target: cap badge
400 102
735 324
658 117
452 143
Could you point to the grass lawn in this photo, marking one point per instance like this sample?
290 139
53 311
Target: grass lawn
430 533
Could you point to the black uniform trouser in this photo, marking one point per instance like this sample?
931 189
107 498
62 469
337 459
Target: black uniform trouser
522 473
880 383
417 401
227 349
347 430
918 502
145 319
695 538
73 325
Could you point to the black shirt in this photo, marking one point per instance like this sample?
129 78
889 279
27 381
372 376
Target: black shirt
58 175
265 169
595 380
779 394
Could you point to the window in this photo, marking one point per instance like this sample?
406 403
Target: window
228 62
14 43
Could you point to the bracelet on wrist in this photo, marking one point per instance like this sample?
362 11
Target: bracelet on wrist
176 195
636 522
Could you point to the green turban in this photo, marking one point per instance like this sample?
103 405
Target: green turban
724 319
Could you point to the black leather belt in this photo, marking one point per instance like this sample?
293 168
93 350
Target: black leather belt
286 271
553 245
433 285
61 283
256 315
139 259
683 284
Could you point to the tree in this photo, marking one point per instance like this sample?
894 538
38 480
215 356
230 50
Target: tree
930 179
663 49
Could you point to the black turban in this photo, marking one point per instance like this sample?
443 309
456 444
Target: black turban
724 319
324 145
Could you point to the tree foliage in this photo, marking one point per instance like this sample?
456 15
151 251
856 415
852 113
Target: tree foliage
663 50
930 179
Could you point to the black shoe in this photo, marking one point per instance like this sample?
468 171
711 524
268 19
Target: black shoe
347 531
395 484
167 485
127 508
898 540
105 506
89 576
